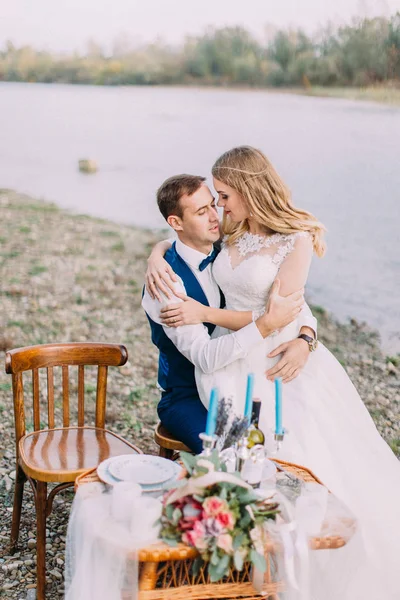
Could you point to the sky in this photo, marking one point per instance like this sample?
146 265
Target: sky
65 25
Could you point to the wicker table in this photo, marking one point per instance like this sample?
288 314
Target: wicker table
165 571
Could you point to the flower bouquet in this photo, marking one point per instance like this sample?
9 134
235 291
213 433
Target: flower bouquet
217 513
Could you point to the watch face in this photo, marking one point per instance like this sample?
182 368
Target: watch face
314 345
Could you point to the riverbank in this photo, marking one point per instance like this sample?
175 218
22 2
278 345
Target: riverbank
67 277
380 94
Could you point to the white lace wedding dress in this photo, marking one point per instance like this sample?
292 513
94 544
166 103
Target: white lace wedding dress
330 430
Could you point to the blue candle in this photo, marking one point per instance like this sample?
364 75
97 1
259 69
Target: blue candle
212 412
278 406
249 396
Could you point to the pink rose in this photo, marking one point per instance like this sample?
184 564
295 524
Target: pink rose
213 505
196 537
224 541
226 519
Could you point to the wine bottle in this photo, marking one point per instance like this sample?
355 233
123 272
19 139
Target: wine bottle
254 434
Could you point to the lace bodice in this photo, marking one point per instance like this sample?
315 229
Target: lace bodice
245 270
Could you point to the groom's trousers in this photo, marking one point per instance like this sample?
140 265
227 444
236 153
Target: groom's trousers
182 413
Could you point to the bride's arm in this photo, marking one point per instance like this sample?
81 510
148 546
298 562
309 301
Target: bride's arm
191 312
295 353
159 276
293 272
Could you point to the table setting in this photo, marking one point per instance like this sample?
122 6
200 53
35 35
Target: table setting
236 507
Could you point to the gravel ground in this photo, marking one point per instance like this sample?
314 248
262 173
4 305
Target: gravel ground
66 277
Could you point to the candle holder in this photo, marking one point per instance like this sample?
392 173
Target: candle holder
209 442
279 437
278 441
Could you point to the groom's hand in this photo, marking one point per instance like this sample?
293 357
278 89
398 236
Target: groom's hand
294 356
281 310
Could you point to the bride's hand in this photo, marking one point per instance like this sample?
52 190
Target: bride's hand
188 312
159 277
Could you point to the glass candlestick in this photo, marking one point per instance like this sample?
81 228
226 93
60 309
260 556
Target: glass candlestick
275 442
279 437
209 442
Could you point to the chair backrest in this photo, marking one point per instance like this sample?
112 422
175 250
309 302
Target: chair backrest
48 356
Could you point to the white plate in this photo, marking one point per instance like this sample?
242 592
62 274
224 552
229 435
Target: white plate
103 473
152 490
141 468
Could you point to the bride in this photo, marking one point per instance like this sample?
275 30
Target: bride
330 430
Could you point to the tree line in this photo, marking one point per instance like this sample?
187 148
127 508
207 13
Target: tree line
367 52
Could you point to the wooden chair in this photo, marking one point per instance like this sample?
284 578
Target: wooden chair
59 454
169 445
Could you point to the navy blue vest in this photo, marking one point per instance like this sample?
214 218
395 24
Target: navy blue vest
174 370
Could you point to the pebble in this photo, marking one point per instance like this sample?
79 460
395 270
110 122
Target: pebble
10 585
31 543
7 482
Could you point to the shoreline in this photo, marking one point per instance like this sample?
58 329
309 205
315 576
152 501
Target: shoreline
383 95
69 277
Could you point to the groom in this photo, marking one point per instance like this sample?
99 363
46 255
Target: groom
189 208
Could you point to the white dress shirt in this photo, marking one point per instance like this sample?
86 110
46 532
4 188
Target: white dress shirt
193 341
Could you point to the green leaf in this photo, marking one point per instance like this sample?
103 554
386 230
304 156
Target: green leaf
170 541
239 540
223 493
258 561
214 560
217 572
245 520
238 560
214 573
246 496
197 564
223 564
176 515
169 509
189 461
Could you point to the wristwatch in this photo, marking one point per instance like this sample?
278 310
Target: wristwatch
312 342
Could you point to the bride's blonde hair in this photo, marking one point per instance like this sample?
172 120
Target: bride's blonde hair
249 172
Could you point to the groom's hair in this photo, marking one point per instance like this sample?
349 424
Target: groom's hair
172 190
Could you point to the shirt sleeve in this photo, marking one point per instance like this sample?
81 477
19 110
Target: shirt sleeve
194 342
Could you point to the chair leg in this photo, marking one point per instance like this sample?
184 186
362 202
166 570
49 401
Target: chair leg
41 507
20 479
166 453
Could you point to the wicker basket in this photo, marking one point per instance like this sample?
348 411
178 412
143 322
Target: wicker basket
165 572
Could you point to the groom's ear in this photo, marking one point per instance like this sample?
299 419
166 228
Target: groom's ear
175 222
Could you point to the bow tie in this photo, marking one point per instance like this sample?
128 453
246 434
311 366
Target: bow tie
209 259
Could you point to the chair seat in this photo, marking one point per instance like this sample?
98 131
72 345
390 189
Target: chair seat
60 455
165 439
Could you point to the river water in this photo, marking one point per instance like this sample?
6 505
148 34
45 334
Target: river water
340 158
